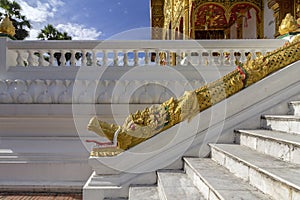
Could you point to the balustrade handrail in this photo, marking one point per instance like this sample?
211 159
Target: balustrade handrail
145 44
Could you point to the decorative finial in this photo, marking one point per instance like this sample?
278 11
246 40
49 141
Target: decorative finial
288 24
7 27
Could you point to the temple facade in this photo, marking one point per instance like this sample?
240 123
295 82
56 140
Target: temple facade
219 19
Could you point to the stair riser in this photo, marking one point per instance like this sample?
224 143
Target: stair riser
256 178
289 126
160 190
112 193
45 171
143 193
204 189
277 149
295 108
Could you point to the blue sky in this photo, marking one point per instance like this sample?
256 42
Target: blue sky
87 19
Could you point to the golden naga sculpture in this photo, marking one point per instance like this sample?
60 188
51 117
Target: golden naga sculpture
288 25
143 125
7 27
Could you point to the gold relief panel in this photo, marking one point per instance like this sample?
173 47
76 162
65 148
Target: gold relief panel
229 3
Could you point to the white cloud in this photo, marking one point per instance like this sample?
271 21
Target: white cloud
33 34
79 31
40 12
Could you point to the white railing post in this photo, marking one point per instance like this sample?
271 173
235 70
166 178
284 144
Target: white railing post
3 54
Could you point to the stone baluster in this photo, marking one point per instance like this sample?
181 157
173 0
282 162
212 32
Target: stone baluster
147 59
243 56
226 57
200 57
41 59
52 58
221 58
30 58
168 58
73 58
188 57
84 59
136 57
125 59
232 58
94 58
178 58
253 54
63 58
20 61
210 58
116 59
157 57
105 59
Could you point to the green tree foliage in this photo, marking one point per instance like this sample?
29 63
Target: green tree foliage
13 10
51 33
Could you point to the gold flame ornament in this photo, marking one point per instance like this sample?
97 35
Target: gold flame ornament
7 27
288 24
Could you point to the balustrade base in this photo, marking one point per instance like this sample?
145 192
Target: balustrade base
114 186
288 36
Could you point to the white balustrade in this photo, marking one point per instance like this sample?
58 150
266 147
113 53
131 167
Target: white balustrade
65 53
45 60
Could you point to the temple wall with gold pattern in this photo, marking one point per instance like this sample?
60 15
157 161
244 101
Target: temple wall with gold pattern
281 8
188 17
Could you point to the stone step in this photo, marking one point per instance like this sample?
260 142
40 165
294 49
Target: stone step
216 182
295 107
283 123
21 172
67 146
284 146
41 186
143 193
36 163
279 179
176 185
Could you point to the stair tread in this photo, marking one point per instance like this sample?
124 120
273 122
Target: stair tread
288 173
178 185
282 117
294 102
224 183
275 135
7 156
143 193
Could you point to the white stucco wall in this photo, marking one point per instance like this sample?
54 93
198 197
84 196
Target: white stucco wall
233 33
269 23
249 26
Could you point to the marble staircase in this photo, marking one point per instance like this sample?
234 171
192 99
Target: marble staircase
260 164
41 150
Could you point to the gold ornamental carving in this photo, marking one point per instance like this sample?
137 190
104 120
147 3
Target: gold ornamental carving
151 121
7 27
288 24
